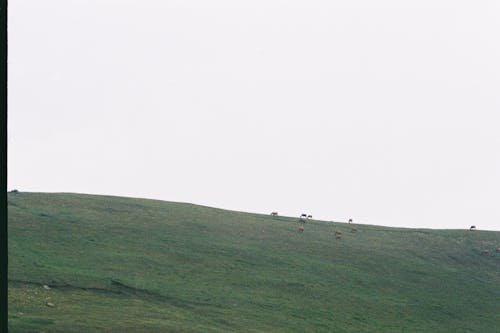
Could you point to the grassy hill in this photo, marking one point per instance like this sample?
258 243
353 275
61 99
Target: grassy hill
132 265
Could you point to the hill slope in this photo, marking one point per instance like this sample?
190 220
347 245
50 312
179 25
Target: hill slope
131 265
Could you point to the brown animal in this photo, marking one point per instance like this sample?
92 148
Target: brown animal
274 213
301 228
350 220
354 229
498 250
485 252
338 232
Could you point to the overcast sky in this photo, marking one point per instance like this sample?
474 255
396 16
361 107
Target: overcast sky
387 112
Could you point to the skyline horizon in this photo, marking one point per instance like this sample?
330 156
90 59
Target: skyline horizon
287 214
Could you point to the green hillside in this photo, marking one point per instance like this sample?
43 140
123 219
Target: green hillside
131 265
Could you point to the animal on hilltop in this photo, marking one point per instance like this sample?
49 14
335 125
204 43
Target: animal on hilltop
350 220
274 213
472 228
309 216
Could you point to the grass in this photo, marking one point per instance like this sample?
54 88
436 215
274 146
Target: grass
133 265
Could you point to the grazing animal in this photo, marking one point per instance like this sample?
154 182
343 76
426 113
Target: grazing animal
274 213
301 228
309 216
338 232
350 220
485 252
303 216
354 229
498 250
472 228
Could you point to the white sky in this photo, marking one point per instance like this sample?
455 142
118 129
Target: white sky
384 111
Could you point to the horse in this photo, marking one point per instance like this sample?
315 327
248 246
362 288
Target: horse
274 213
472 228
309 216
